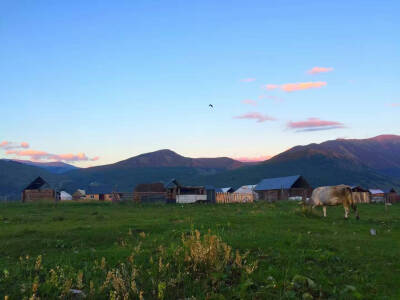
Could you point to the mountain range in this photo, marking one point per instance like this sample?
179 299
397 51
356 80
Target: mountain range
57 167
372 163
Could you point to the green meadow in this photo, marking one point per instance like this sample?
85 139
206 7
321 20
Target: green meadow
237 251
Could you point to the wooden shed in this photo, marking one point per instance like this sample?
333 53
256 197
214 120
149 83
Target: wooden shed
177 193
283 188
39 190
377 195
150 193
360 195
392 196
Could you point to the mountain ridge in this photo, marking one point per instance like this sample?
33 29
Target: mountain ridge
373 163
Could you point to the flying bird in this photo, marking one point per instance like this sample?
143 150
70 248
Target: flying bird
210 105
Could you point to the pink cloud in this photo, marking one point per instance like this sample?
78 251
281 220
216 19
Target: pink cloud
317 70
248 80
249 102
314 124
396 104
11 145
254 159
271 86
291 87
43 155
3 144
256 116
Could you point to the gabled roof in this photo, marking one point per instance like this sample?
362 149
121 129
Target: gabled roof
227 190
376 191
357 187
172 183
277 183
37 184
246 189
389 191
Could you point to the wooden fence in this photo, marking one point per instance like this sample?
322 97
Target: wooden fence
233 198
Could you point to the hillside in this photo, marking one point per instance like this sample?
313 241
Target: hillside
56 167
317 167
381 153
149 167
15 176
372 163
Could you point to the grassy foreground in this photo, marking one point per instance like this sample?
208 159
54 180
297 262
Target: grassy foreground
243 251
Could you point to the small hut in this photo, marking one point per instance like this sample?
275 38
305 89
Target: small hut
360 195
283 188
177 193
39 190
392 196
377 195
64 196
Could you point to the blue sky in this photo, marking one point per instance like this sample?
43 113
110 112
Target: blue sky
113 79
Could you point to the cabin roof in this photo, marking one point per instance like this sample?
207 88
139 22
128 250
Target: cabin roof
172 183
36 184
277 183
376 191
245 189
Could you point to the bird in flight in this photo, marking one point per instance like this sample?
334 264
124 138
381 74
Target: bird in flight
210 105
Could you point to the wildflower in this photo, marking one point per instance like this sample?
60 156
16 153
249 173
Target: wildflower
103 263
38 263
91 287
79 281
142 234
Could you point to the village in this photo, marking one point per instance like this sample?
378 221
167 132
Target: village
295 188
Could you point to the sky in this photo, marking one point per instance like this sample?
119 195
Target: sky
95 82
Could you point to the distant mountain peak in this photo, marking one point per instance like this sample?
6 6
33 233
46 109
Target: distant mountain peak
386 138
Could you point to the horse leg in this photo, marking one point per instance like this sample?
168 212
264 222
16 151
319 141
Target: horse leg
324 210
346 212
355 208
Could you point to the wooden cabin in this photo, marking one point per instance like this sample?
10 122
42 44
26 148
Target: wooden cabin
377 195
392 196
39 190
360 195
150 193
177 193
283 188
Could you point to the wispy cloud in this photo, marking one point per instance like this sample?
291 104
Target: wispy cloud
11 145
314 124
394 104
317 70
298 86
37 155
249 102
248 80
256 116
253 159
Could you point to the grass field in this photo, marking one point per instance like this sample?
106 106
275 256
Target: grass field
248 251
